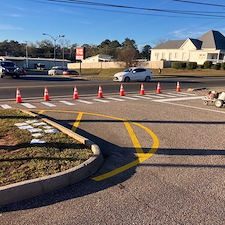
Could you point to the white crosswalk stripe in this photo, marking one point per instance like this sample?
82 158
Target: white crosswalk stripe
184 93
100 100
116 99
48 104
154 96
143 97
178 99
177 94
83 101
5 106
162 97
130 98
66 102
166 95
28 105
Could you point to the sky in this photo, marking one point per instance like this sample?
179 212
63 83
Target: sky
148 22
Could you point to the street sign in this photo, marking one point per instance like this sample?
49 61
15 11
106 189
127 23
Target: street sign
80 51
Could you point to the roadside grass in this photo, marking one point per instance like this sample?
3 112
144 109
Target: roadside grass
100 74
107 74
20 160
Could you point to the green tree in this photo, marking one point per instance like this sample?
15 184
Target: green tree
90 50
11 48
129 42
108 47
146 52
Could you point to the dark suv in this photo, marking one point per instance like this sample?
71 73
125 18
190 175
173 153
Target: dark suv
8 68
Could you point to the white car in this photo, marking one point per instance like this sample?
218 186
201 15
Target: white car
133 74
57 70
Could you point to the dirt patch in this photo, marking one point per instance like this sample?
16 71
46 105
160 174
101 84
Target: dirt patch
8 143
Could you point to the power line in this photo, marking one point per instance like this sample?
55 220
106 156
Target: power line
199 3
195 13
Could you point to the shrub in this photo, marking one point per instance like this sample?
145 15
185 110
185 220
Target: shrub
207 64
191 65
178 65
200 66
217 66
223 66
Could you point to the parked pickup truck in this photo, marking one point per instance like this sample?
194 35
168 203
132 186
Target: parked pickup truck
8 68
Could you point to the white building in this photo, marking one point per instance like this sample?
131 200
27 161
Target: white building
98 58
209 47
33 63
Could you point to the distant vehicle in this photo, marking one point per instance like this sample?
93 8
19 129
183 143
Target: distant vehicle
23 72
133 74
57 70
8 68
60 70
70 72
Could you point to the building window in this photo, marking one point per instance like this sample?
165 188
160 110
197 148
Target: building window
202 56
221 57
157 56
175 55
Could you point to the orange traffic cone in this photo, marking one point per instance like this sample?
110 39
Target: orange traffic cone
158 88
142 91
46 95
18 96
178 87
75 93
100 95
121 90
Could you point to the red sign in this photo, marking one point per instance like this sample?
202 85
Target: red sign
80 53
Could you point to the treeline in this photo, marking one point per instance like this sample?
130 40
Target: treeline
126 51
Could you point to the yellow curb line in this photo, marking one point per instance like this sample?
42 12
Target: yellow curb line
140 154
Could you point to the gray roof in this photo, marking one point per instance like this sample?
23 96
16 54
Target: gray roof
212 39
170 45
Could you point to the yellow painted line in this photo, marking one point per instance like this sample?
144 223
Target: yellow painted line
133 138
140 154
41 111
77 122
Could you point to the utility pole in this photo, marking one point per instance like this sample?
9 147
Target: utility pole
54 39
27 63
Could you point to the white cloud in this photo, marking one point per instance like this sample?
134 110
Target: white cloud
184 34
15 7
9 27
14 15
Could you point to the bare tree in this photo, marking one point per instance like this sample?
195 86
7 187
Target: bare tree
128 54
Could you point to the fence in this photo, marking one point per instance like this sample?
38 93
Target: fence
109 65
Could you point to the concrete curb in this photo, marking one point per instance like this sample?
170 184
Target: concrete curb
31 188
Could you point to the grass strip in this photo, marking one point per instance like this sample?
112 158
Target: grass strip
20 160
107 74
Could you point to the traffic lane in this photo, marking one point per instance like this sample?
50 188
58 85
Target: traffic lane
32 80
182 181
34 89
61 86
53 80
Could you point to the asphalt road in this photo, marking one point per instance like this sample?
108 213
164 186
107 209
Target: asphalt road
32 86
176 142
